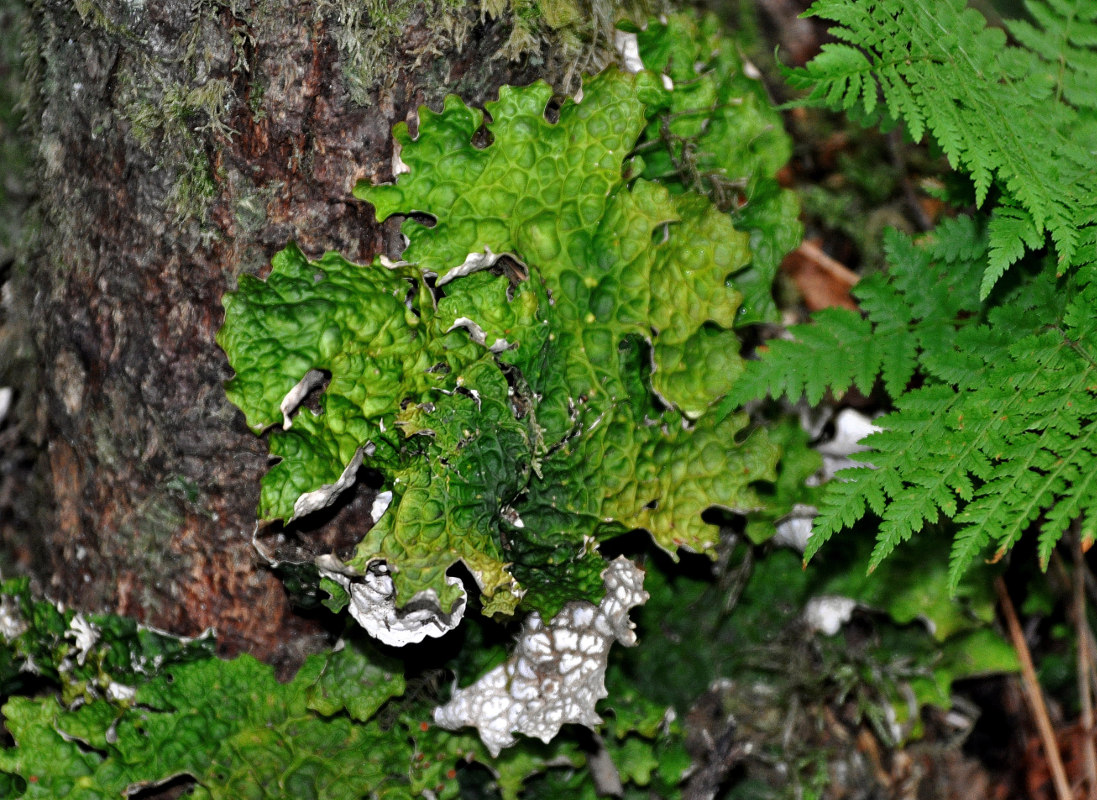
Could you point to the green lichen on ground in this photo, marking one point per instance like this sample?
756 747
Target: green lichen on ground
354 722
133 708
229 725
519 419
82 654
139 709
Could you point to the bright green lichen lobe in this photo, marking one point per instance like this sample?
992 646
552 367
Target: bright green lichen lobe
230 726
519 415
350 321
717 133
540 189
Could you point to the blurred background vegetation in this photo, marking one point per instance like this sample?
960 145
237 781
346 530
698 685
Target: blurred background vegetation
901 692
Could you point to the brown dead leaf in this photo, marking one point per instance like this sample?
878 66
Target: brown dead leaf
822 281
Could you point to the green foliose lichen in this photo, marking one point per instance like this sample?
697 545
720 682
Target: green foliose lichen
84 654
346 726
716 133
537 373
229 726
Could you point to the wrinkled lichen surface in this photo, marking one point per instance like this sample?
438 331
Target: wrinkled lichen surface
519 415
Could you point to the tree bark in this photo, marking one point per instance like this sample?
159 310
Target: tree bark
179 144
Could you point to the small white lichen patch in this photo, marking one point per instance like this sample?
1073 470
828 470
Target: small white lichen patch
120 692
474 262
85 634
373 605
629 47
6 396
827 614
294 396
12 625
380 505
556 674
850 428
388 263
398 165
476 333
794 529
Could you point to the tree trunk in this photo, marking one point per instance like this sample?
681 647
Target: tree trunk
179 144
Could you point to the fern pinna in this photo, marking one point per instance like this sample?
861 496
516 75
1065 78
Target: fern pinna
994 432
993 381
1022 120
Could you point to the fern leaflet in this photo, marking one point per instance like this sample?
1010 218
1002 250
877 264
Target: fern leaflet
1009 116
912 315
997 434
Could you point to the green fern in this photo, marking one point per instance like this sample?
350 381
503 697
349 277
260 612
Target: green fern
1019 118
911 314
998 431
1064 40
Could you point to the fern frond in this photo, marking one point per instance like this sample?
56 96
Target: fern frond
1012 439
837 351
957 240
1047 451
912 314
848 78
1012 229
923 458
1000 436
851 496
1078 316
1006 115
1080 503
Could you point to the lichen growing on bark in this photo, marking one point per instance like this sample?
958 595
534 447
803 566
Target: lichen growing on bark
179 144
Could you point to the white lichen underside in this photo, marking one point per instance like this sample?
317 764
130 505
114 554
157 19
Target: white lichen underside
323 497
556 674
295 396
12 625
373 606
827 614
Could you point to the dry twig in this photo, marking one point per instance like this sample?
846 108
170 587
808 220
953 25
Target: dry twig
1085 667
1034 695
